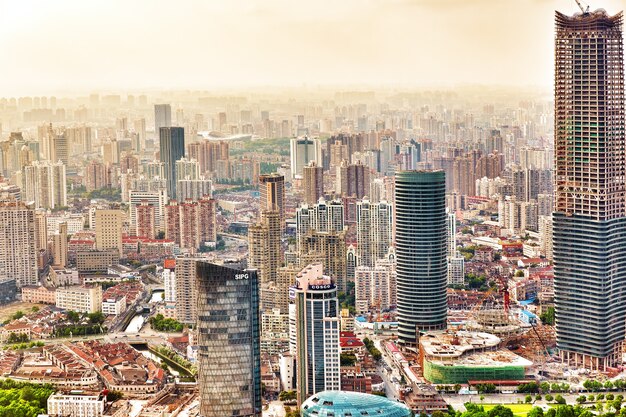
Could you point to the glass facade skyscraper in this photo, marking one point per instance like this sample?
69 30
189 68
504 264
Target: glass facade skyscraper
589 221
171 149
317 332
229 347
421 249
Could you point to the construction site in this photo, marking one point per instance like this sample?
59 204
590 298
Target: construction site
518 331
456 357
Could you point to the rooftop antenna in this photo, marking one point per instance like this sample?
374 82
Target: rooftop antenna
582 9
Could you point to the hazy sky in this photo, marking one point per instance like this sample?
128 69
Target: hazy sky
53 46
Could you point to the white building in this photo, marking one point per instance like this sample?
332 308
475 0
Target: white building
80 299
373 231
456 270
45 183
157 198
169 278
114 306
375 287
60 405
303 151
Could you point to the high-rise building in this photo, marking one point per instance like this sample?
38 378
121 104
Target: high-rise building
322 216
191 224
329 249
590 191
172 148
352 180
193 189
109 229
317 332
312 183
186 290
157 199
229 350
96 176
59 246
162 117
145 226
303 151
375 286
373 231
421 253
18 258
264 246
272 190
45 184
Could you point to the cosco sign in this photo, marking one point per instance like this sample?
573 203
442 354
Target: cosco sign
241 276
320 287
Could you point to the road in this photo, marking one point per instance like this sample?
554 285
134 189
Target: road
275 409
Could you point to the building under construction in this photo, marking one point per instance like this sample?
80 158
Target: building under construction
458 357
590 189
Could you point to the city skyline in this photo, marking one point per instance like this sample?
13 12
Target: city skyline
373 43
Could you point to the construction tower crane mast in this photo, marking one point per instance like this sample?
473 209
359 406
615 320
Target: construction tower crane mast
582 9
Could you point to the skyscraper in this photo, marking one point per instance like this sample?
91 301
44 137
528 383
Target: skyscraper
317 332
172 148
421 237
272 190
312 183
18 258
162 117
229 350
303 151
590 209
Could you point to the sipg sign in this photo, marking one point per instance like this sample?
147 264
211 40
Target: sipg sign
241 276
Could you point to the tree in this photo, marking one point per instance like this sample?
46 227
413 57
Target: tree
610 397
549 397
347 359
500 411
581 399
457 387
535 412
565 411
608 385
73 316
547 317
34 309
528 399
545 387
96 318
18 315
591 398
559 399
538 397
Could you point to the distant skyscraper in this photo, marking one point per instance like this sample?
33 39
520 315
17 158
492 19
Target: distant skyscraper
229 350
590 208
421 252
317 332
312 183
352 180
172 148
303 151
18 258
162 117
45 184
272 190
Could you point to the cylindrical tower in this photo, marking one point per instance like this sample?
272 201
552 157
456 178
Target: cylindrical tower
421 252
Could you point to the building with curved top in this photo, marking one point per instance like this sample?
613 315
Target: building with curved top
352 404
421 249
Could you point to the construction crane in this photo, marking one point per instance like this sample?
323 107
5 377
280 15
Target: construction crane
582 9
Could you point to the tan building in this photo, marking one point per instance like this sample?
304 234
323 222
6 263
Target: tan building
59 246
264 246
186 311
18 257
38 294
80 299
272 190
109 229
312 183
96 261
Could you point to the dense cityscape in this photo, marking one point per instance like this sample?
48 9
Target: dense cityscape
304 251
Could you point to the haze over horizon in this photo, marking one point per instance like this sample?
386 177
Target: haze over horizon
73 46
